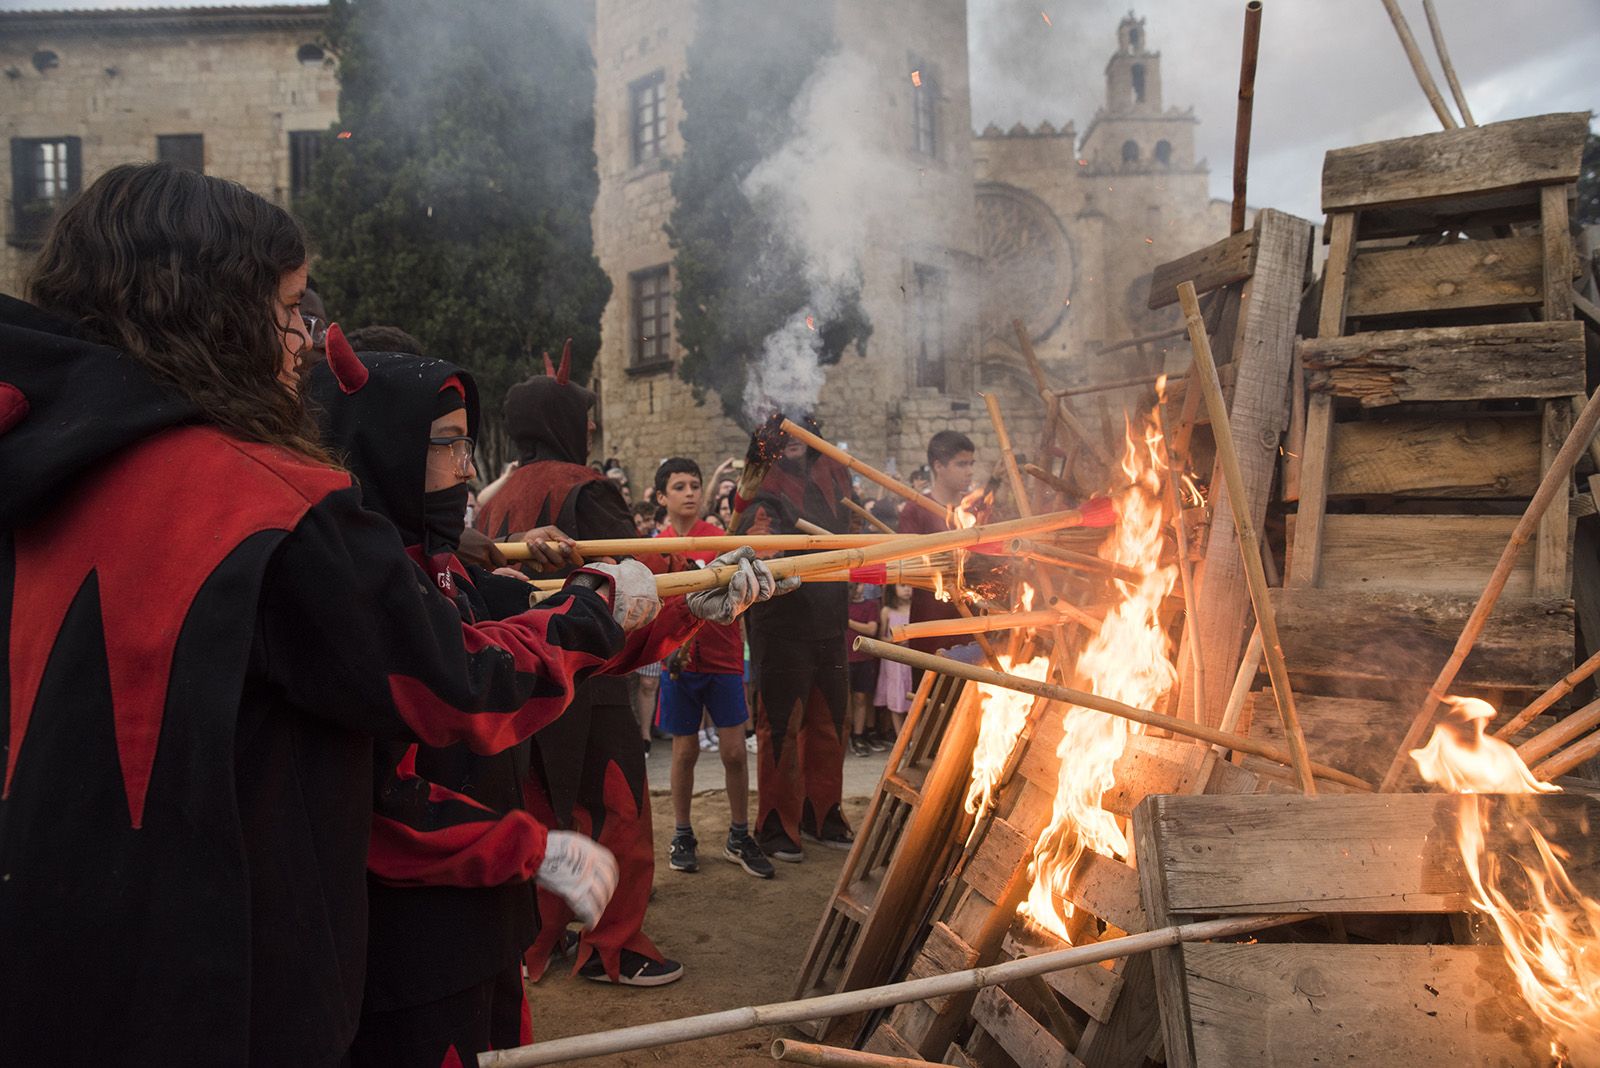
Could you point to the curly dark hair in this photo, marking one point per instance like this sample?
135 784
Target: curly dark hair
181 271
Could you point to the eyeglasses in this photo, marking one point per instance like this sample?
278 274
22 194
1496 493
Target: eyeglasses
316 330
460 447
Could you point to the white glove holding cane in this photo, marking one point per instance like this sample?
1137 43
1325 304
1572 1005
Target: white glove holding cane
581 872
634 601
754 581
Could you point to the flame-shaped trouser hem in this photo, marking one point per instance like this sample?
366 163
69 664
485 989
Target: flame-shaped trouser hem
802 694
450 1032
610 807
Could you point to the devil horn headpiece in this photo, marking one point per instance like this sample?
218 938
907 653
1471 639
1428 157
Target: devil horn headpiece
549 368
566 363
346 366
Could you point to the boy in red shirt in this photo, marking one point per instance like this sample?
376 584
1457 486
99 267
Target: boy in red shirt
707 672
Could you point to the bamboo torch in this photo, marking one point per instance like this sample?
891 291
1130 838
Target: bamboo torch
866 471
1247 102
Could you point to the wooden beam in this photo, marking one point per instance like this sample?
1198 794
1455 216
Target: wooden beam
1406 636
1497 273
1360 733
1555 237
1490 456
1542 150
1494 362
1552 542
1233 259
1295 1004
1433 554
1023 1038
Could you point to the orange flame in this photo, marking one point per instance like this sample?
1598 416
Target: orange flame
1129 660
1553 944
1005 712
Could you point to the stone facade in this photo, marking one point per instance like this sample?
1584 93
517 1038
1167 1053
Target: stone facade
115 81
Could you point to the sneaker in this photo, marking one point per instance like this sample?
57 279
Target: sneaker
708 741
565 946
859 746
878 743
834 833
635 969
681 855
782 847
750 743
743 851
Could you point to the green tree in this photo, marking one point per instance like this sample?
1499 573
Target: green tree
453 197
1589 183
739 277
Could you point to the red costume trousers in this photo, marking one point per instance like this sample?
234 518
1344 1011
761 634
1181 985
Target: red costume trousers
801 698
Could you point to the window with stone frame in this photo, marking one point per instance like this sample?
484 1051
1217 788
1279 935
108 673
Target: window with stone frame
928 325
647 113
924 110
45 173
304 148
186 150
651 294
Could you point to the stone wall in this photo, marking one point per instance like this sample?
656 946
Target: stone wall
121 79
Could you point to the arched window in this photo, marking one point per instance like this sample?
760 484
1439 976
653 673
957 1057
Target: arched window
1136 39
1130 152
310 54
1138 83
1163 152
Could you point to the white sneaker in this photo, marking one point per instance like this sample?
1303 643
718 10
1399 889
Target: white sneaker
708 742
750 743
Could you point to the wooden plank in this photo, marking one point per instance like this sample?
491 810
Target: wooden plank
1437 554
1258 411
1420 1006
1135 1021
1347 853
1093 989
1482 457
1166 965
1500 272
1355 734
943 951
1497 361
1555 237
1552 571
1151 765
1230 260
1023 1038
1540 150
1406 636
1003 849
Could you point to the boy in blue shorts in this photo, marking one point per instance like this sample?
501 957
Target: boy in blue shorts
707 673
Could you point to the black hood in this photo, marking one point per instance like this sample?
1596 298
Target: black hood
549 420
83 402
380 430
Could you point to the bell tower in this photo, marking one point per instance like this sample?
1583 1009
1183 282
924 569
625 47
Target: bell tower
1133 75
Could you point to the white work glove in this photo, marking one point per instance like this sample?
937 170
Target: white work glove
581 872
753 582
634 602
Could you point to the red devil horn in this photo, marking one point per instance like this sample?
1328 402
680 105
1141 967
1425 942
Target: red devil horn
346 366
566 363
549 368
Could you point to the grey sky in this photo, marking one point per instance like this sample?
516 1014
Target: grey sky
1332 72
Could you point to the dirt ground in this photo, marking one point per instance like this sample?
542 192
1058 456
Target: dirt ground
740 939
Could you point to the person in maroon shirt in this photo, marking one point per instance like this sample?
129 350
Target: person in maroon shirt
865 607
950 457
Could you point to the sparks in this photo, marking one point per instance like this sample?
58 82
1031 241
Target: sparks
811 323
916 78
344 135
1046 18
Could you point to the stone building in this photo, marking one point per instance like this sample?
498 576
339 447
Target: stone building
240 92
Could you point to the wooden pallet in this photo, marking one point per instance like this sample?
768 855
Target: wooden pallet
1400 991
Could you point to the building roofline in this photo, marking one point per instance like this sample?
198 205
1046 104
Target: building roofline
166 19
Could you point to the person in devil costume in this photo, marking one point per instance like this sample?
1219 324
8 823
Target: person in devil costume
452 846
203 631
797 655
589 767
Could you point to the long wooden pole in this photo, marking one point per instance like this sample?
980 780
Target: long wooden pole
1247 102
667 1032
1071 558
866 516
1444 62
793 1051
1063 412
1419 66
1566 732
1568 758
1008 454
1082 698
519 550
1554 481
1568 683
1205 371
865 470
946 628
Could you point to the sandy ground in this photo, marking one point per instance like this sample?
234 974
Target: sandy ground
740 939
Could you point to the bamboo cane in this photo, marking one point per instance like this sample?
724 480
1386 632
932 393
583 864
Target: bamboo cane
946 628
1063 412
1008 455
667 1032
1055 482
793 1051
1569 729
1241 682
715 543
866 471
1180 532
1205 371
872 520
1042 553
1117 346
1054 692
1568 683
1444 62
1555 480
1569 758
1247 102
1419 66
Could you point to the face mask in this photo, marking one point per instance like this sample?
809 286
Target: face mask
444 517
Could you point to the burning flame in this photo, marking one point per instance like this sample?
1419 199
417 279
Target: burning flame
1004 713
1128 660
1553 944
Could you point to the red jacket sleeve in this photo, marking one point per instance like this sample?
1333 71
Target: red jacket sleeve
647 645
426 835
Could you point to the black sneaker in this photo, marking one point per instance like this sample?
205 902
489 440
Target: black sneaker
782 847
635 969
834 833
743 851
878 743
681 855
859 746
565 946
